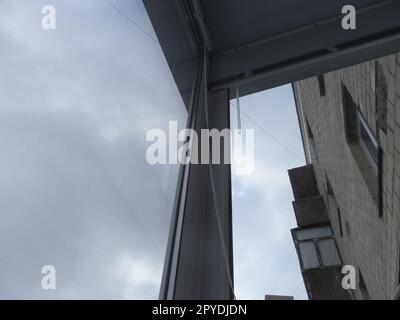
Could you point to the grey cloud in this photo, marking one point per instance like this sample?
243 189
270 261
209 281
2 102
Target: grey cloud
75 188
265 258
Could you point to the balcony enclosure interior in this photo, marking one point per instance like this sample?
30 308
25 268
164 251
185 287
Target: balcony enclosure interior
242 49
76 103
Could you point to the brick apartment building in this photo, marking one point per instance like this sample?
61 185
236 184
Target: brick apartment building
347 197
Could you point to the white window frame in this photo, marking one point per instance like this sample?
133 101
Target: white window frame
315 242
362 124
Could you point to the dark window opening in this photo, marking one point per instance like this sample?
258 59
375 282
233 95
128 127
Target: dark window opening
348 230
363 286
309 131
381 93
340 222
321 84
364 146
333 205
329 189
349 112
398 265
311 139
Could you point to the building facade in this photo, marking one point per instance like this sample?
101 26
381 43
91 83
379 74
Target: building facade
350 127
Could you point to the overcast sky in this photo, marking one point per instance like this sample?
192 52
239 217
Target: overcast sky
264 253
76 191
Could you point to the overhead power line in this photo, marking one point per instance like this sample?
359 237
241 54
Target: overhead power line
283 269
295 289
138 26
270 135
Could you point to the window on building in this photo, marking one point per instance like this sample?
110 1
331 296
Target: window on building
398 266
362 286
329 253
396 295
364 146
332 204
368 142
348 230
339 215
329 189
397 292
350 115
309 131
311 138
316 247
381 93
321 84
357 130
309 256
312 233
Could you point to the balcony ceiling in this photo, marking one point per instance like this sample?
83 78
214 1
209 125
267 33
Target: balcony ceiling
233 23
263 43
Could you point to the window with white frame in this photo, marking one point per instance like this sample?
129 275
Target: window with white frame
316 247
364 146
368 142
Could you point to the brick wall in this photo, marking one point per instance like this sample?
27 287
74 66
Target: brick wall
369 242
